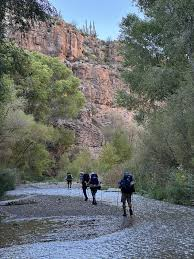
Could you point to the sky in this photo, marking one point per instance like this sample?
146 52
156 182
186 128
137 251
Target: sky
106 14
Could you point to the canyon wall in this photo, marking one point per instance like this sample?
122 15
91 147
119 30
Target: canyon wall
96 63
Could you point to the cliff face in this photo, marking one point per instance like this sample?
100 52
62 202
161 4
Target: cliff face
96 63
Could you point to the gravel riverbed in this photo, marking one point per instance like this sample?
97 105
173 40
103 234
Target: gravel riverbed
59 224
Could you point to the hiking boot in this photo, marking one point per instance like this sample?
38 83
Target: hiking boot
86 199
94 203
130 212
124 212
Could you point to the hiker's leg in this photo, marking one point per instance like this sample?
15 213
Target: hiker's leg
95 196
84 188
124 209
70 183
93 191
129 200
129 204
123 200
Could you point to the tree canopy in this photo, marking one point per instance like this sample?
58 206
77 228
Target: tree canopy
21 14
158 52
32 97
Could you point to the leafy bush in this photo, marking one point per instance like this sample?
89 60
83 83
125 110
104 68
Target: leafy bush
179 187
34 91
112 177
116 151
82 162
121 143
108 158
7 180
170 184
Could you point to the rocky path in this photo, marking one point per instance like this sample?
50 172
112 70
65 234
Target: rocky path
157 230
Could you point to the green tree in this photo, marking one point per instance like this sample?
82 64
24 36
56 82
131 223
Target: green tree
158 52
14 66
169 138
37 161
31 137
108 158
22 14
163 156
82 162
158 66
42 89
50 89
122 145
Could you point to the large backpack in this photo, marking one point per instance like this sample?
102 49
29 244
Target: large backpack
86 178
127 184
94 180
69 177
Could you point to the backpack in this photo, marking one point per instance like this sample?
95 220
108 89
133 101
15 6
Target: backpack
69 177
127 184
94 180
86 178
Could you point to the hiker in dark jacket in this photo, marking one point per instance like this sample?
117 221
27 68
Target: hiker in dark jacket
94 186
85 181
69 179
127 188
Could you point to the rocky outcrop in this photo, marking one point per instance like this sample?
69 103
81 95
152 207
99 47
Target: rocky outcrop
95 62
59 40
99 82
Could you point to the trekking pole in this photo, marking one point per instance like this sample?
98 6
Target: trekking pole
117 199
88 192
132 204
80 192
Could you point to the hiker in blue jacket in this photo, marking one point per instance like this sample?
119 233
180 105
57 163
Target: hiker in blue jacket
127 188
94 186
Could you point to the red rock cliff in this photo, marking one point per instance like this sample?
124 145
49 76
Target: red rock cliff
95 62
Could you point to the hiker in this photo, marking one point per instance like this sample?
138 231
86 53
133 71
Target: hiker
127 188
81 176
69 179
94 186
85 181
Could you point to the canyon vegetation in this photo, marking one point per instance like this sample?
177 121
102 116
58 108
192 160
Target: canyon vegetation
71 102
